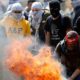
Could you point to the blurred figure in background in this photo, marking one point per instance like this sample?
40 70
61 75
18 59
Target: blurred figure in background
77 25
46 4
76 15
28 8
76 12
14 23
68 8
3 8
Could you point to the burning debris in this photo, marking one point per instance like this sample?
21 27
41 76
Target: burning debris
33 67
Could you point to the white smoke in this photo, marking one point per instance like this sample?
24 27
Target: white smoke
3 7
4 2
4 73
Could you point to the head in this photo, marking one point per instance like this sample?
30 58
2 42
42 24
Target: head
72 40
17 10
36 7
54 8
29 3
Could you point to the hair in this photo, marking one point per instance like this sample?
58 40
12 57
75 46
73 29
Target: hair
29 1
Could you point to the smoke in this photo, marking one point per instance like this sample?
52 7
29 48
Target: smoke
5 74
3 7
21 46
4 2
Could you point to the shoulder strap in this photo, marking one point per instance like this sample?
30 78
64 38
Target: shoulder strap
63 46
50 20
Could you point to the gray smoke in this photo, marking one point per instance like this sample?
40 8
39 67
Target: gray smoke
5 74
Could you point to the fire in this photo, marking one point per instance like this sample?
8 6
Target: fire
38 67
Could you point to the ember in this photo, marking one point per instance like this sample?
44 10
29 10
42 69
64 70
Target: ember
39 67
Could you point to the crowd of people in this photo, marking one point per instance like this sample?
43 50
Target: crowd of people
61 32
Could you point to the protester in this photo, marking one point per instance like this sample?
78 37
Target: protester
68 51
14 23
28 8
37 19
76 11
56 25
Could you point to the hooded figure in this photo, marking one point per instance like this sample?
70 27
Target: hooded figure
54 8
68 51
16 11
35 15
14 22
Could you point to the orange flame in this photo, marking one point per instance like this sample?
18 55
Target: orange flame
38 67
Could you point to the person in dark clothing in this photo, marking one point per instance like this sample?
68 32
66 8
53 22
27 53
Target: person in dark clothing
77 14
68 51
77 28
28 8
56 25
76 11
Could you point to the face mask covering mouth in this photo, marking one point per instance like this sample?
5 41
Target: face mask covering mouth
34 13
17 15
54 12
